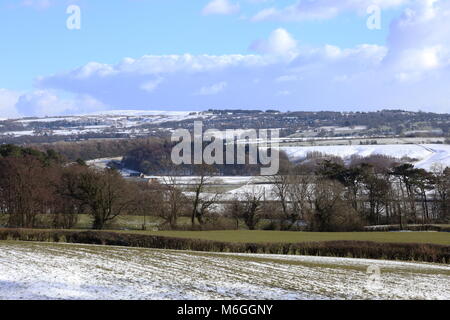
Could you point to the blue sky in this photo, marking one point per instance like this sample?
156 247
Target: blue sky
179 55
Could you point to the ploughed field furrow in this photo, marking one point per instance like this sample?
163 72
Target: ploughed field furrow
63 271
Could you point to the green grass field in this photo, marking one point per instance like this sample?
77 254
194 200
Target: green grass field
132 224
242 236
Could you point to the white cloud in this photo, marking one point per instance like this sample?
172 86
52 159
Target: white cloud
419 40
37 4
213 89
322 9
44 102
8 100
197 80
94 68
279 43
411 71
287 78
222 7
14 104
151 85
168 64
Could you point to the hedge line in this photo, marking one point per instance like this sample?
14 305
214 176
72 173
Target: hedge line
354 249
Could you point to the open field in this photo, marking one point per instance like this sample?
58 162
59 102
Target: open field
246 236
62 271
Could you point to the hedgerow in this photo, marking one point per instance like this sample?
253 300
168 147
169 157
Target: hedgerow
353 249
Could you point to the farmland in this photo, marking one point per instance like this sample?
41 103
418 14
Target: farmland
239 258
62 271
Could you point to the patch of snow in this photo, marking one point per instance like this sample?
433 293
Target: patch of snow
63 271
427 154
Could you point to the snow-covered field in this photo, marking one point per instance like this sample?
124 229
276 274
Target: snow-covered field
102 163
426 154
219 180
267 191
63 271
119 121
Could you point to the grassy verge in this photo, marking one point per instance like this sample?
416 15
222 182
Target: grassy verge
338 248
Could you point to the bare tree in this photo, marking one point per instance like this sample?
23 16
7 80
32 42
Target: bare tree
234 209
202 201
105 193
26 188
252 202
293 193
148 200
173 201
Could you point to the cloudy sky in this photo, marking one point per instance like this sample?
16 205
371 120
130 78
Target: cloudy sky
195 55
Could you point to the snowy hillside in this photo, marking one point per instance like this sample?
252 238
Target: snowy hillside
125 122
426 155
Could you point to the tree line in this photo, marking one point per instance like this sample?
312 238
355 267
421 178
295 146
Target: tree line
372 191
41 189
38 189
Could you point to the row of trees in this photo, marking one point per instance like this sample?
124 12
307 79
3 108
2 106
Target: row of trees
367 192
329 196
38 189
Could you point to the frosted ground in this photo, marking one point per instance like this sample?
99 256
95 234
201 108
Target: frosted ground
63 271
